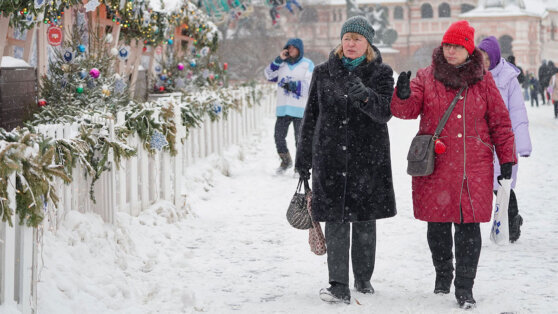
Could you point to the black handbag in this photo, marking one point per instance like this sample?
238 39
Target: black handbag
297 214
420 158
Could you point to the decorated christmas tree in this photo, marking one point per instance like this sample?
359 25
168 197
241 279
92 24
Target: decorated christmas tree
80 80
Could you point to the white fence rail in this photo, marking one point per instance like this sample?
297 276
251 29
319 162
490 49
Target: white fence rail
136 184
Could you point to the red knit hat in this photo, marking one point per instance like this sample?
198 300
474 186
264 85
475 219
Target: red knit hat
460 33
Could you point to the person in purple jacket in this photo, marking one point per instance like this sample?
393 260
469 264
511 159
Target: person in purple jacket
505 76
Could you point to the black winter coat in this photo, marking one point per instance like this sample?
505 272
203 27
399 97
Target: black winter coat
347 144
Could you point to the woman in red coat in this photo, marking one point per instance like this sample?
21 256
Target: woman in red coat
459 191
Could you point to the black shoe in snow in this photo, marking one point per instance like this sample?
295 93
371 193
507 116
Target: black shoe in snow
515 230
364 286
286 162
336 293
442 285
465 298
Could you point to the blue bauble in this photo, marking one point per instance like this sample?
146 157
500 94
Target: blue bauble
68 56
163 77
193 63
82 74
170 41
81 48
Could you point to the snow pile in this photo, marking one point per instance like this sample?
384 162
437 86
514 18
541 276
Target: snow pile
230 248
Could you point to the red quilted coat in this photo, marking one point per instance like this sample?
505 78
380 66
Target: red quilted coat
460 188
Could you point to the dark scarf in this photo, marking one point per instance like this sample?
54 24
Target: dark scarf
467 74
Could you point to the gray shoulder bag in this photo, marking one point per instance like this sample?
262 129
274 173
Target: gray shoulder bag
420 159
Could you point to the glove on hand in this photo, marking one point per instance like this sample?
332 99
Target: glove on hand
290 86
404 85
357 90
505 171
304 174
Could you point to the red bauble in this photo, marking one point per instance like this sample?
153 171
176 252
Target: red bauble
42 103
161 88
225 66
439 147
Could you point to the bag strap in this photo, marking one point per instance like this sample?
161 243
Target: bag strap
306 185
446 115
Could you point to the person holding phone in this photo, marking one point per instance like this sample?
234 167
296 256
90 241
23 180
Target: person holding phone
292 73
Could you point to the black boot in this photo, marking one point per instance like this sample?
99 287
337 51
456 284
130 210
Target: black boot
444 276
464 280
336 293
286 162
515 231
364 287
465 298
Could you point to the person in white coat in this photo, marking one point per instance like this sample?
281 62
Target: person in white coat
292 72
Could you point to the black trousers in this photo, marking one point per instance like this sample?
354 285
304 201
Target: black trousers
556 109
534 98
363 250
282 128
468 243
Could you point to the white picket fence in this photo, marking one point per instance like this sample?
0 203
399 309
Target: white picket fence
135 185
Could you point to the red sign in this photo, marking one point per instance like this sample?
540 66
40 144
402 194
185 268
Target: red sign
54 36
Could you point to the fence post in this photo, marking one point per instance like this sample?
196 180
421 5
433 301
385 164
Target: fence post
180 156
7 265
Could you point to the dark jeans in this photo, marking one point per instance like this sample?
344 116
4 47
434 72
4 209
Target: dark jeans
556 109
363 250
468 243
534 98
281 130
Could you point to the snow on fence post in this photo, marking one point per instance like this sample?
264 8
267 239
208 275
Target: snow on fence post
121 173
133 181
143 156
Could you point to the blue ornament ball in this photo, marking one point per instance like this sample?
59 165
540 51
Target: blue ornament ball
81 48
193 63
163 77
68 56
170 42
82 74
158 68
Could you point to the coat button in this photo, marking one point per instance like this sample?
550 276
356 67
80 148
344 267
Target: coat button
344 147
345 121
345 96
459 135
458 116
344 174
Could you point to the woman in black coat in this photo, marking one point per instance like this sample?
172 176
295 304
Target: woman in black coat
344 140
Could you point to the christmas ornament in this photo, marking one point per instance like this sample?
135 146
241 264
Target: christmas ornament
42 102
39 3
81 48
68 56
119 86
180 66
439 147
94 73
91 83
225 66
205 73
114 51
158 141
158 69
82 74
106 91
217 108
65 67
170 41
54 36
204 51
180 83
211 76
108 38
123 53
193 63
161 88
79 89
163 77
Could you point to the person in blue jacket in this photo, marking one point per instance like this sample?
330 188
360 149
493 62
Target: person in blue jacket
292 73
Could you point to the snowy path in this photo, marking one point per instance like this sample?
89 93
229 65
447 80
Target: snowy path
237 253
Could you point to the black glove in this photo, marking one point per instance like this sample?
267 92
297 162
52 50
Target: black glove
404 85
304 174
357 90
505 171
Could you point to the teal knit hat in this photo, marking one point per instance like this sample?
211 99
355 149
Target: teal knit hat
360 25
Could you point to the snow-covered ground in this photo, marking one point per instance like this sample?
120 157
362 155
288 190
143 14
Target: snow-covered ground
232 249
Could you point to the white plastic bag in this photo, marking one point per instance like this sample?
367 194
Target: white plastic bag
500 233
